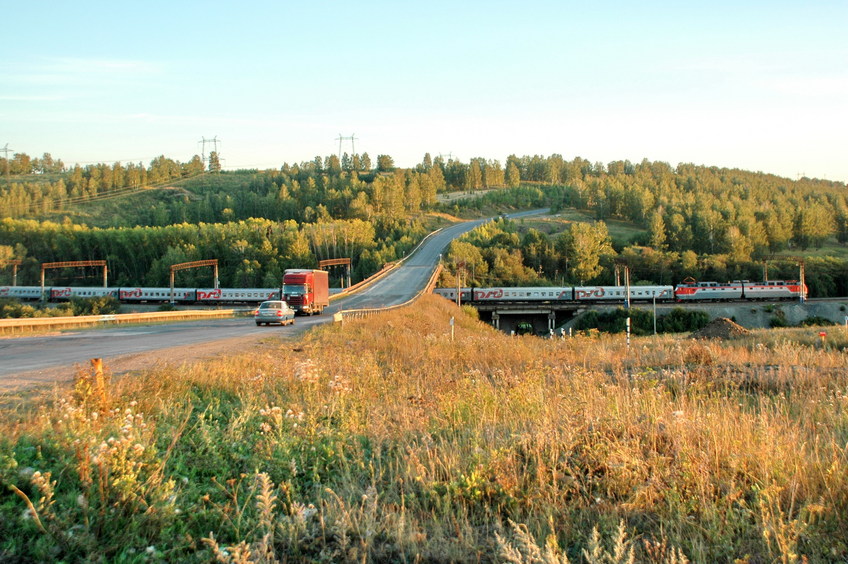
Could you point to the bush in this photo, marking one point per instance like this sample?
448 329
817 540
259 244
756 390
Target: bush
816 321
779 319
679 320
105 305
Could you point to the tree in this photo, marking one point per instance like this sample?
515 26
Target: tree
656 228
385 163
214 162
513 179
366 162
814 225
584 245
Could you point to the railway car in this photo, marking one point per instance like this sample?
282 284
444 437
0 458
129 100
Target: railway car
136 295
526 294
236 295
21 292
587 294
618 294
63 293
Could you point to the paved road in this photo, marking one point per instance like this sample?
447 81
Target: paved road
29 359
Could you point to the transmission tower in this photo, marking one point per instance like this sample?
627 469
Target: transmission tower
6 150
350 138
204 140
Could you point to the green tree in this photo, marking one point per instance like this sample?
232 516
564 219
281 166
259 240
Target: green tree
656 228
385 163
814 225
214 162
584 245
513 178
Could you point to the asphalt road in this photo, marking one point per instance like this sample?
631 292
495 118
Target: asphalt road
39 359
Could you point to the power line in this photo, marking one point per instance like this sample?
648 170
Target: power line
350 138
204 140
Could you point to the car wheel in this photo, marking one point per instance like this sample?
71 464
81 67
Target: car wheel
258 324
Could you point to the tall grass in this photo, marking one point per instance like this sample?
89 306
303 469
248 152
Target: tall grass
386 440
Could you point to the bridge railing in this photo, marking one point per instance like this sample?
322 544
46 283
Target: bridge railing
367 312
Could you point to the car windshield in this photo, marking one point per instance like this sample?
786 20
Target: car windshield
271 305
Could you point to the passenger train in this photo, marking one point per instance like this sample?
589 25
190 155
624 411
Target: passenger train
145 295
688 291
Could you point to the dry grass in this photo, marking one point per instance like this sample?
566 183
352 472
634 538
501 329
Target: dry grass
383 439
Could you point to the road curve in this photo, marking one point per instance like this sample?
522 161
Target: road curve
27 360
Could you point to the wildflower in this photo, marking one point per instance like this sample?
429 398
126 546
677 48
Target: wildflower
150 549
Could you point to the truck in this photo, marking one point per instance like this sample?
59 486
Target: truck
306 291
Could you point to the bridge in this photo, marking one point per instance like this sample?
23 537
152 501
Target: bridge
545 317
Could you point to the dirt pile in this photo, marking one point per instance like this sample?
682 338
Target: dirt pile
720 328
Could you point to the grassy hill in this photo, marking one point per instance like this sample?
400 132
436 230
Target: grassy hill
366 441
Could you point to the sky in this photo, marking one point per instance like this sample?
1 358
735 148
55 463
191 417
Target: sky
761 86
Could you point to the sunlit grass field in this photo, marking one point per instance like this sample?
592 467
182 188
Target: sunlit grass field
385 439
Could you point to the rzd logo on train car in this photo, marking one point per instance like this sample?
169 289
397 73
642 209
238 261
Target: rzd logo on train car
60 293
134 293
211 295
488 294
588 293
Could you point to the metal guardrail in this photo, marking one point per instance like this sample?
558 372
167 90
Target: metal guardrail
20 324
367 312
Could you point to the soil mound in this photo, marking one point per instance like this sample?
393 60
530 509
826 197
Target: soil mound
719 328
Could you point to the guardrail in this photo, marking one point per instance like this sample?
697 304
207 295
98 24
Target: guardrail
28 323
367 312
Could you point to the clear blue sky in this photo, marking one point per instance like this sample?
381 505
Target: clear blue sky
754 85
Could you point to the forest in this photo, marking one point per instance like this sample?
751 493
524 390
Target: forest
688 220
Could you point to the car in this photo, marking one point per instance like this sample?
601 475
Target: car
274 311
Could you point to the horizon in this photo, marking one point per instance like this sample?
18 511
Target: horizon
761 87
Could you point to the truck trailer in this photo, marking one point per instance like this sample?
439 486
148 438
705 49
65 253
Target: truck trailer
306 291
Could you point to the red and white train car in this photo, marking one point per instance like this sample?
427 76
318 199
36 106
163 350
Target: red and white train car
690 291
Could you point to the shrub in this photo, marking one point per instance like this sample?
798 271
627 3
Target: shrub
104 305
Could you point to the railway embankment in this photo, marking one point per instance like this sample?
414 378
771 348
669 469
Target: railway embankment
759 315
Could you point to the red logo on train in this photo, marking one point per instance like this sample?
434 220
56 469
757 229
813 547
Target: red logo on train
213 295
489 295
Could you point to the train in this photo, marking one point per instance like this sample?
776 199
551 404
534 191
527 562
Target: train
212 296
687 291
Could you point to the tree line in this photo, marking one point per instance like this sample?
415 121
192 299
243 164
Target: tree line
696 220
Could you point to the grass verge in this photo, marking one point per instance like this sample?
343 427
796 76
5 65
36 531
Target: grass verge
385 440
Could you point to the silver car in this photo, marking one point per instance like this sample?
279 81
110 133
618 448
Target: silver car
274 311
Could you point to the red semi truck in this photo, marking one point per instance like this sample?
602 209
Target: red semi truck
306 291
